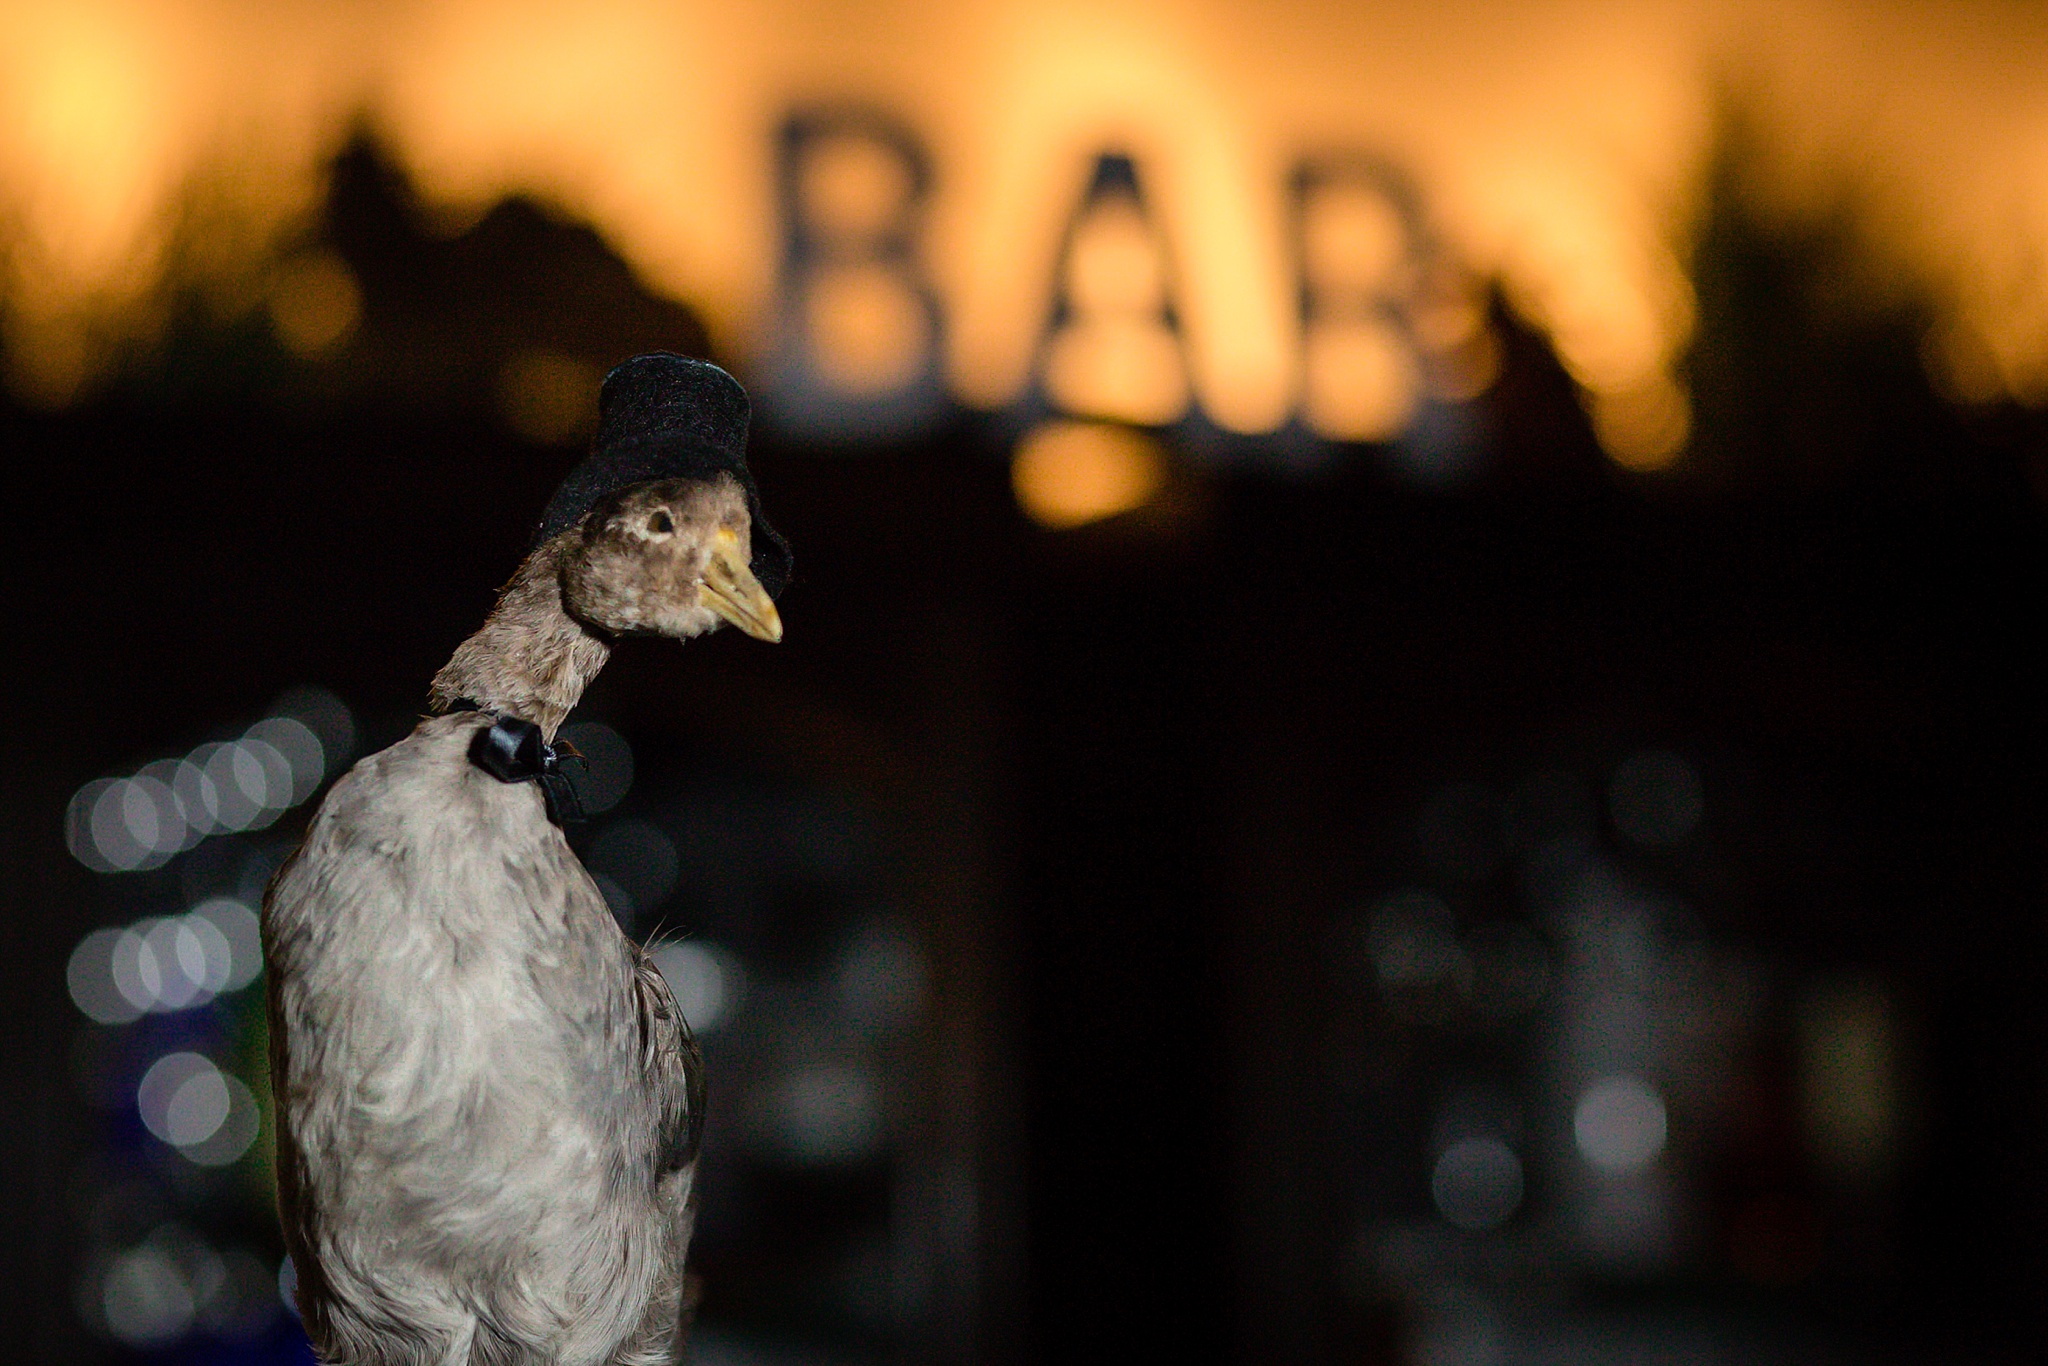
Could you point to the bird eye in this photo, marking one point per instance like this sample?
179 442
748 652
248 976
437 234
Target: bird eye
661 523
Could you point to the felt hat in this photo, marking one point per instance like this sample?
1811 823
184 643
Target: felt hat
662 416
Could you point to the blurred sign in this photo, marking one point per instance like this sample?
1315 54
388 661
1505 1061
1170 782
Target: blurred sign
1562 145
1385 320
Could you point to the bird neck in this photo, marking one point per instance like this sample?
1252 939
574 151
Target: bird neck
530 659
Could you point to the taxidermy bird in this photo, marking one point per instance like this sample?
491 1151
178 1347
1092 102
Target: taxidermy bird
488 1105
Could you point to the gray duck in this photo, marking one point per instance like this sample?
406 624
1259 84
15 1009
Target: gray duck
488 1105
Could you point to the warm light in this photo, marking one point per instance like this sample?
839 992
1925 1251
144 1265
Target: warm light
315 303
1461 355
1354 241
854 187
1123 368
1068 474
1116 357
1961 366
1447 323
1115 265
1361 380
868 328
1556 146
1643 427
1466 371
548 398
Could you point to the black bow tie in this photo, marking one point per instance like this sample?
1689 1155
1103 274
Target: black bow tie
512 751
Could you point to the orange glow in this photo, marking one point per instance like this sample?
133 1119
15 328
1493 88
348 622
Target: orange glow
315 303
867 327
1361 380
1123 368
1116 266
1353 242
853 188
1117 357
1643 427
1555 143
1461 354
548 398
1067 474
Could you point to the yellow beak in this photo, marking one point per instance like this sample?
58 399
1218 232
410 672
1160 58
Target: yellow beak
731 590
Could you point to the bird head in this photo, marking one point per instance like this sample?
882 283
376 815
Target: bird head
672 557
658 532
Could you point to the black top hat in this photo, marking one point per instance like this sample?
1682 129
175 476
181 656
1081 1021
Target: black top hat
668 417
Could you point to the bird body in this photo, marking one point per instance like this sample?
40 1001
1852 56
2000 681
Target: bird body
487 1102
488 1185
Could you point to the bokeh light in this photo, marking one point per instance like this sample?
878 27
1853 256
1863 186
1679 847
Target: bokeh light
1571 200
315 303
853 187
609 776
1412 937
548 398
867 327
1619 1124
1362 381
327 717
89 976
1116 357
118 825
1068 474
165 964
1493 240
1643 427
208 1115
148 1297
880 979
825 1115
1477 1183
709 983
1849 1082
172 1283
639 859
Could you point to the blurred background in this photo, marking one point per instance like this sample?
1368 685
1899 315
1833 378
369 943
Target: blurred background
1410 730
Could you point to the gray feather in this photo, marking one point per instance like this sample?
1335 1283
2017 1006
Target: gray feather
488 1104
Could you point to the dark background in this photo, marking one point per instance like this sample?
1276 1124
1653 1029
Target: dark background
1128 784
